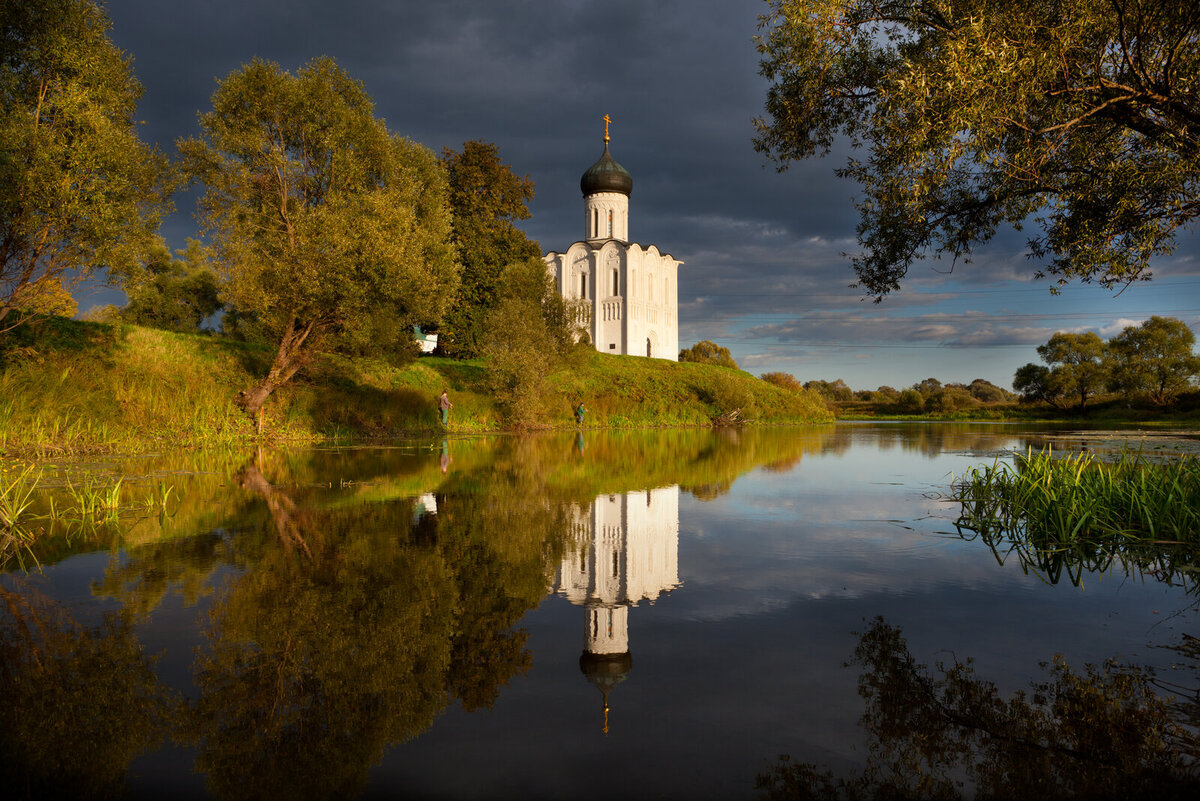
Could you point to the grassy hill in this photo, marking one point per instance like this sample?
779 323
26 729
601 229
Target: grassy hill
68 386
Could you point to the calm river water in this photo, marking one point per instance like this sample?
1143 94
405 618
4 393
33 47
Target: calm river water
608 615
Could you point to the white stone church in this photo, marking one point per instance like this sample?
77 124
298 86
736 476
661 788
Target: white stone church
632 290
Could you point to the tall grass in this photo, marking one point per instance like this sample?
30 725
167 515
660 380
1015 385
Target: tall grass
17 533
1080 496
35 508
1078 513
83 388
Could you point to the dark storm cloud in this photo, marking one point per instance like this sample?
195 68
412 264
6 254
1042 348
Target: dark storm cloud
679 79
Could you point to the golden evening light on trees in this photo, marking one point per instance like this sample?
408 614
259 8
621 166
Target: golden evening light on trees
708 352
486 197
1081 117
79 191
1154 360
330 230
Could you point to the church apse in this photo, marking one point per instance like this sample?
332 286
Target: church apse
625 550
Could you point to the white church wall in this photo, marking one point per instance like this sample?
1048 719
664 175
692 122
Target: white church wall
609 305
606 216
635 314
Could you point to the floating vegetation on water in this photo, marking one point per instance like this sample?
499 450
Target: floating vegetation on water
32 508
16 498
1079 513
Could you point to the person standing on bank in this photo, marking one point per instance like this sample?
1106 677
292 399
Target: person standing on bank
445 406
579 412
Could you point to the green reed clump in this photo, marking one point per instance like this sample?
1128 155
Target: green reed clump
16 499
1072 498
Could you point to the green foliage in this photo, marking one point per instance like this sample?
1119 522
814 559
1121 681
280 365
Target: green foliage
951 399
971 114
837 390
175 294
885 394
1033 382
911 401
1103 732
78 190
529 333
1076 366
1066 502
987 392
330 230
1154 358
708 352
732 399
927 387
784 381
44 298
486 197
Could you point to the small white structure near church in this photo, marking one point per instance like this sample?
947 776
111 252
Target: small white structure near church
632 291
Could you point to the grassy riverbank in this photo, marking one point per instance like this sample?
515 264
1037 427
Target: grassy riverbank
74 387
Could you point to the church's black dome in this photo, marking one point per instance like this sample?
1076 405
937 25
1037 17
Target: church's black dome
606 175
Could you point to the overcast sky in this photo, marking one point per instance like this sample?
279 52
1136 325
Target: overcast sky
764 272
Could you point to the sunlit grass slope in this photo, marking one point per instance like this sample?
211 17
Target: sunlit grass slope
69 386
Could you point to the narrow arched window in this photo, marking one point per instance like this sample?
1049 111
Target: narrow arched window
648 354
595 223
610 223
616 282
583 286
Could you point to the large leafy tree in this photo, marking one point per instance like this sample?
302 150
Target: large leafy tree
177 293
1076 364
1033 382
486 197
331 231
1155 358
1082 116
529 332
78 190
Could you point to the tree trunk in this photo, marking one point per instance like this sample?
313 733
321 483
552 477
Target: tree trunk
289 358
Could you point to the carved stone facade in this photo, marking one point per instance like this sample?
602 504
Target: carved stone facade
631 290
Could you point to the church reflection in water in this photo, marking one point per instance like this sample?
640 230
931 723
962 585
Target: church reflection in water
625 550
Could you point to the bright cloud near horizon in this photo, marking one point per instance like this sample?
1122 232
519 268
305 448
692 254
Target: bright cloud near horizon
765 272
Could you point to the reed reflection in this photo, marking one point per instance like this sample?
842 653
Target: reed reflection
624 549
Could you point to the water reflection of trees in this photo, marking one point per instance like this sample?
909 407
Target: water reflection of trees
336 648
78 702
348 629
927 439
1101 733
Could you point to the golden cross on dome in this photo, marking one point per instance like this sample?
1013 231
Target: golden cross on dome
606 122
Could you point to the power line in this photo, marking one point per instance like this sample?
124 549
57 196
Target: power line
801 317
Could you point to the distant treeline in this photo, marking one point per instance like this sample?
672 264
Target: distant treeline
1147 366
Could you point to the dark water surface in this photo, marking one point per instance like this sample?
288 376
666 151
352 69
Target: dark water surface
629 615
